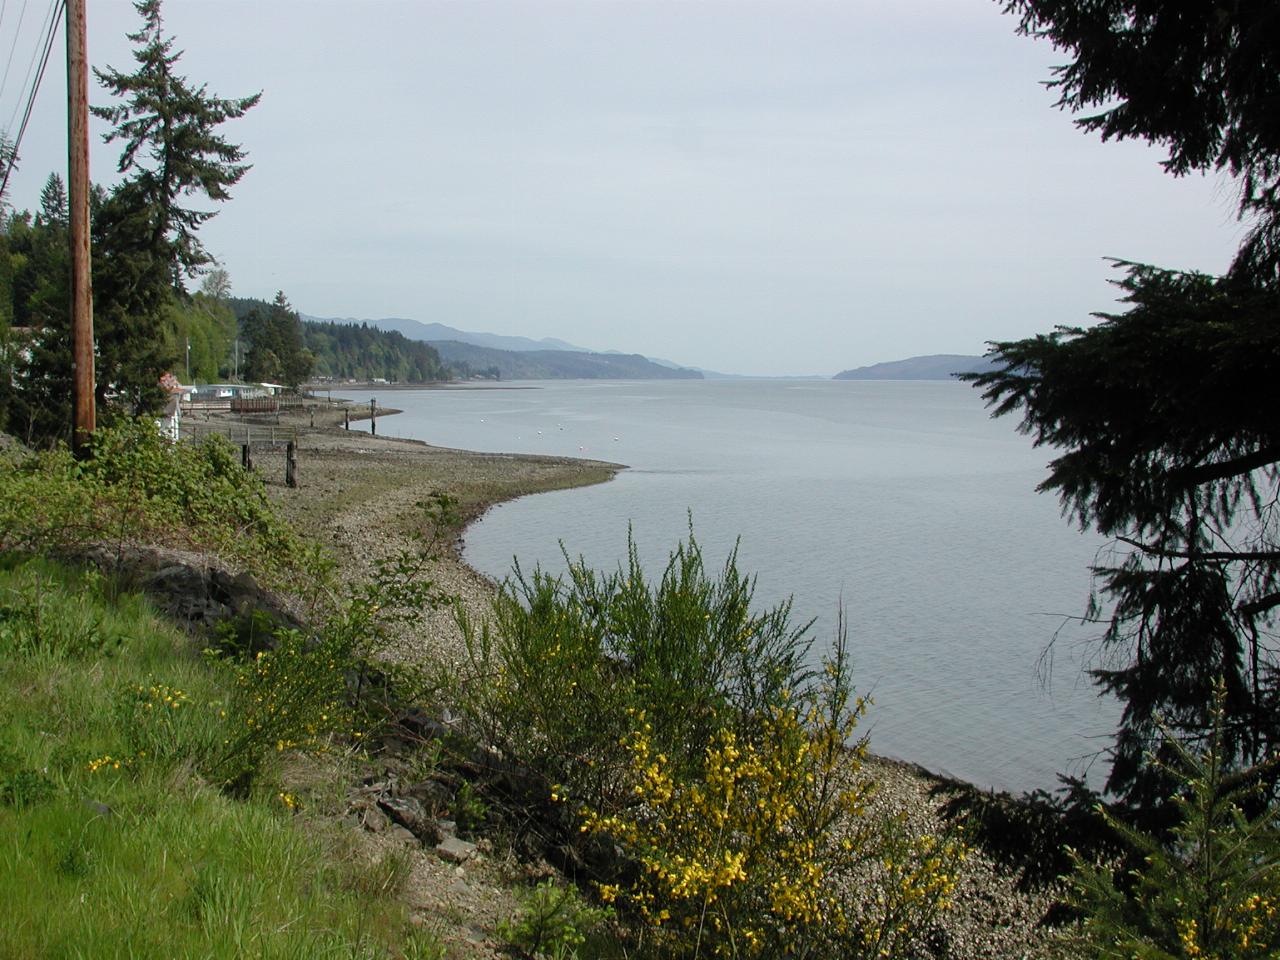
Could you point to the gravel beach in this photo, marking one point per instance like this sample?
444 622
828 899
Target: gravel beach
358 494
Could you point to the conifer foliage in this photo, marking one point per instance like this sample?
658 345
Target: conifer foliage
145 238
170 144
1166 415
145 245
1202 79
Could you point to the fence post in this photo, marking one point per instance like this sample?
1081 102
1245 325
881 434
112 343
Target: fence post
373 417
291 464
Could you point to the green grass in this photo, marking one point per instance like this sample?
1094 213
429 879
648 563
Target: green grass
111 844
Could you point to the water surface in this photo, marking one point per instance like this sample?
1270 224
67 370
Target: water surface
901 500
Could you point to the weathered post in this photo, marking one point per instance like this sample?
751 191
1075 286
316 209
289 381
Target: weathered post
346 418
373 417
312 410
291 464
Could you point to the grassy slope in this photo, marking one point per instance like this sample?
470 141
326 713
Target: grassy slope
136 855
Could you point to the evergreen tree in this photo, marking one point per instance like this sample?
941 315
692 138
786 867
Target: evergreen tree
1202 79
145 239
276 352
171 147
1167 414
40 411
53 202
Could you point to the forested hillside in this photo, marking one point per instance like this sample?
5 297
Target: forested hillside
343 351
938 366
191 335
557 364
361 352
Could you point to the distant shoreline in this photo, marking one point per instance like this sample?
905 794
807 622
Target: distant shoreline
327 388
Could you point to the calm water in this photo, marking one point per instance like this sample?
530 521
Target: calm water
902 500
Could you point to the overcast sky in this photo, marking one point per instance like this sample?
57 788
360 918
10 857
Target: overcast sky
779 187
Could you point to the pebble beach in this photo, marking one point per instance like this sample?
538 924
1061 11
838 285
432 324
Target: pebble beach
360 495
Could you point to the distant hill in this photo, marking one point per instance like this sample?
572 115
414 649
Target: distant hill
357 351
937 366
416 330
556 364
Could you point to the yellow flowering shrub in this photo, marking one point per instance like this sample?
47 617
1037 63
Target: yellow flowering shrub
691 736
766 848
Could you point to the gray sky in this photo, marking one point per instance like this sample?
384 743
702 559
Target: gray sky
779 187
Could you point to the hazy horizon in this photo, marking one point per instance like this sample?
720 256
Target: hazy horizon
766 188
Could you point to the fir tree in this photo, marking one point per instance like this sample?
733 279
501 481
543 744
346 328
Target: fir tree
146 239
276 352
1202 79
171 147
1166 414
53 202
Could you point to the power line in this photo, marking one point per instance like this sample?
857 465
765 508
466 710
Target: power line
52 32
4 8
17 34
35 56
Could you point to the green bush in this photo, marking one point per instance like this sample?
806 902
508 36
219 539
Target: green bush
306 690
691 734
562 667
138 487
1212 890
554 921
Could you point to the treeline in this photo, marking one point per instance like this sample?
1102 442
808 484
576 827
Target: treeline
283 348
191 335
361 352
556 364
145 249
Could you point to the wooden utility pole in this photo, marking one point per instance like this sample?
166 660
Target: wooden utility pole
82 388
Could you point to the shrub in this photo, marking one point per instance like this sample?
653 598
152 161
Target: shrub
139 487
553 921
565 664
1212 890
306 690
692 733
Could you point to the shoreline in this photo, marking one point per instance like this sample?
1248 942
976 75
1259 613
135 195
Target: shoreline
359 495
335 442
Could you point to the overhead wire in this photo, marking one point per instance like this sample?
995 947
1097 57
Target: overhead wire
4 9
58 8
46 25
17 34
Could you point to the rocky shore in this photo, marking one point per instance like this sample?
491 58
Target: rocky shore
360 495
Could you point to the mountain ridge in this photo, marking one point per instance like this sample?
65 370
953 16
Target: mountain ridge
934 366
